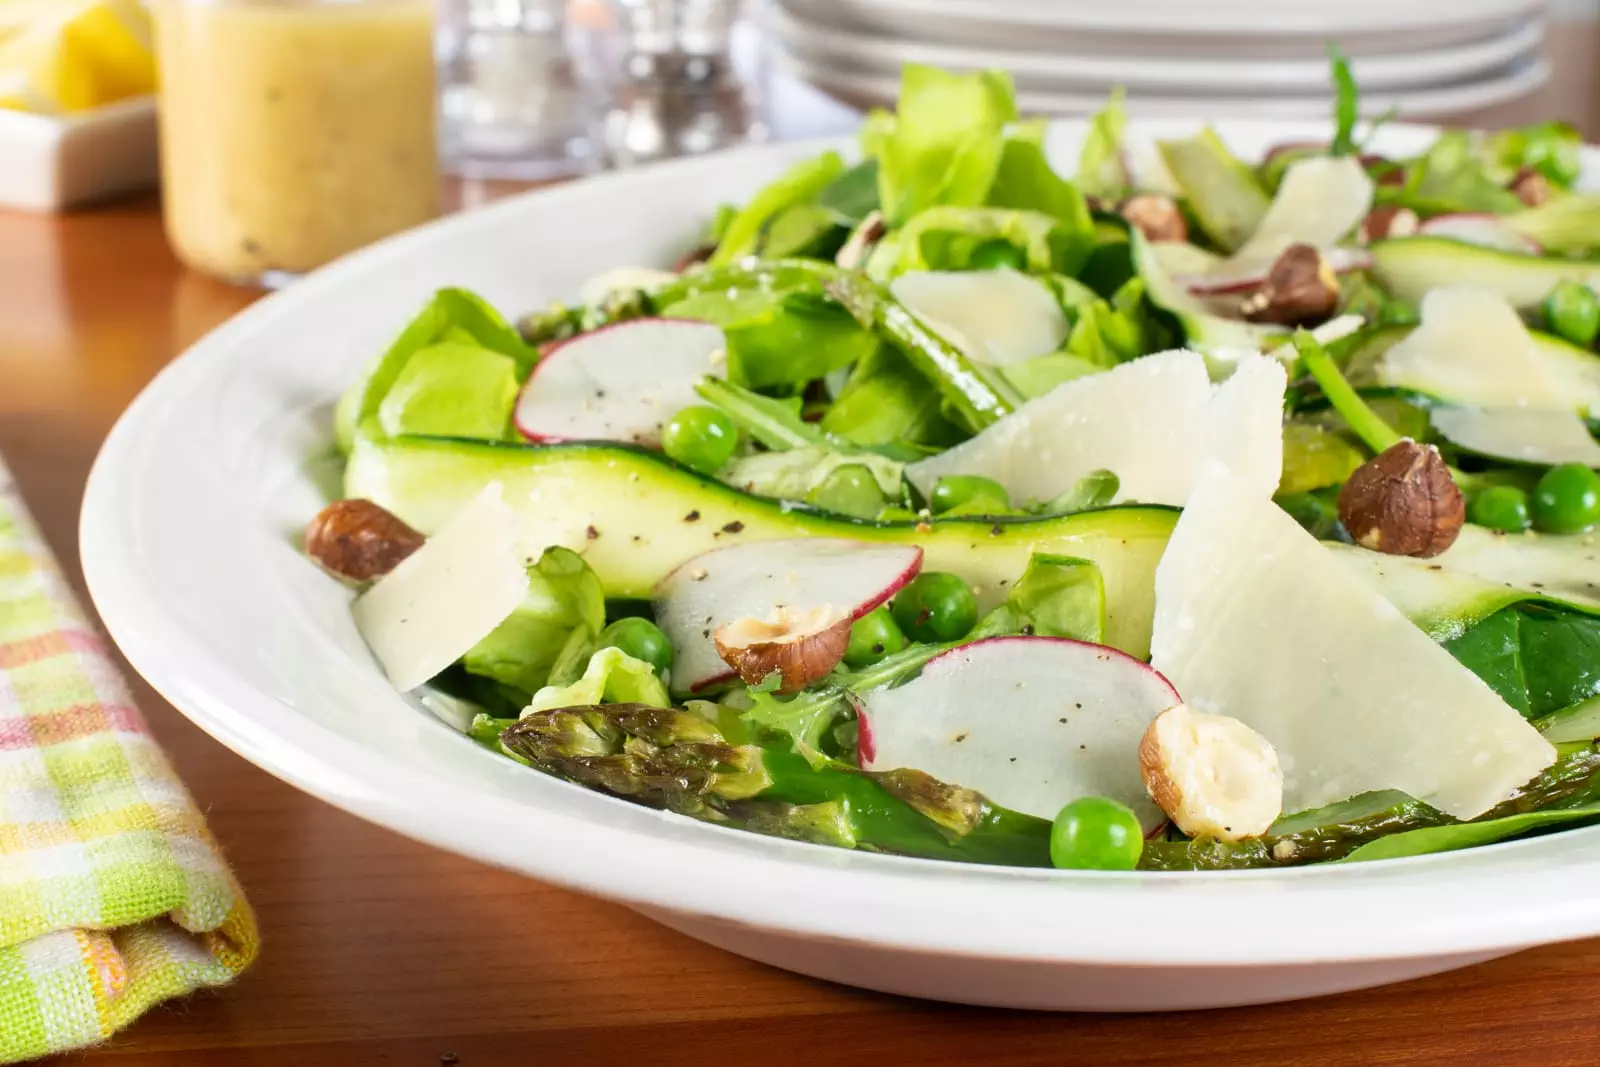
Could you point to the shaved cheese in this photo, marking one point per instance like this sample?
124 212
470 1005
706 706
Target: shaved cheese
1152 422
1516 402
1525 435
447 595
1319 202
1471 348
998 317
1255 619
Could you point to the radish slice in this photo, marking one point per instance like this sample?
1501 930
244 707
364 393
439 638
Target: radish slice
619 383
1032 723
755 579
1488 231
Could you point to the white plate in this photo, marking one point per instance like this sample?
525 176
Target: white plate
1057 70
188 543
865 90
49 163
1224 28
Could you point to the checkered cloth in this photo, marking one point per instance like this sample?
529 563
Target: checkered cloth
113 896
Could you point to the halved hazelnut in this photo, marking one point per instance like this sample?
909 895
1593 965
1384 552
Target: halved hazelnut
1531 187
1389 220
799 644
694 257
1157 217
359 540
1211 774
1403 501
1301 289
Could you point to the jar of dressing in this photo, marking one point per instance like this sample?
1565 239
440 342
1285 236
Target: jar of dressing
293 131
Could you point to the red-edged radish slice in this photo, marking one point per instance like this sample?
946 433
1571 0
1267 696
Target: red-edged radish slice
1489 231
619 383
1030 722
755 579
1231 277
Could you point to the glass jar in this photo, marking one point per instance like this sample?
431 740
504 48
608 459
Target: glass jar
293 131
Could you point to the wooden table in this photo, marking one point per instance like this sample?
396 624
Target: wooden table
382 951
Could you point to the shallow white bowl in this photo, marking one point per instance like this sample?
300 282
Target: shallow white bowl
188 539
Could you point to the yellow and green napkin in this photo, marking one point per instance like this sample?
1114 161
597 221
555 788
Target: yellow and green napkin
113 895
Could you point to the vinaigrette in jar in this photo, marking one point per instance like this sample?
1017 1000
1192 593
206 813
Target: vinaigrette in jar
293 131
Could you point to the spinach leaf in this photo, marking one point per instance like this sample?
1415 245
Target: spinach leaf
1539 659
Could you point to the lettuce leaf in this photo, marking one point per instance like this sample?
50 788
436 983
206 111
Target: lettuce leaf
612 677
1102 169
1025 182
794 474
779 339
800 184
945 142
563 596
945 238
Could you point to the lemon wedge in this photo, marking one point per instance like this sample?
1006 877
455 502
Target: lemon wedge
60 57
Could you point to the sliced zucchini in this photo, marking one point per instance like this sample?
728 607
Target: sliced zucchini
1409 267
1222 192
1576 369
635 516
1205 329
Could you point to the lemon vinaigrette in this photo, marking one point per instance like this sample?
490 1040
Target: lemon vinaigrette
293 131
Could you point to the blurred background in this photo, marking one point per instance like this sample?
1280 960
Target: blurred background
292 131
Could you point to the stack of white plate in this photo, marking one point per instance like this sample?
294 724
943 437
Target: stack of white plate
1424 58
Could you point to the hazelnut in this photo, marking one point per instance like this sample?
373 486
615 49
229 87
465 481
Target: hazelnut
1212 775
1403 502
1531 187
1301 289
1157 217
799 644
358 540
1389 220
862 240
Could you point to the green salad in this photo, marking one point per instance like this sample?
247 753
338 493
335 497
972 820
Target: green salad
1158 508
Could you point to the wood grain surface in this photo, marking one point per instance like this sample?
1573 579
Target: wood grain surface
382 951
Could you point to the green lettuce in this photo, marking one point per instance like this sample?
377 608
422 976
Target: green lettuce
451 390
1062 596
1102 171
944 144
800 184
612 677
453 315
779 339
564 596
945 238
812 474
1025 182
886 402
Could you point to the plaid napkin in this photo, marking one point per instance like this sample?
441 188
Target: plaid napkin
113 896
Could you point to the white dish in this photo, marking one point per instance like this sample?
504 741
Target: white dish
188 540
49 163
865 90
1177 27
1086 70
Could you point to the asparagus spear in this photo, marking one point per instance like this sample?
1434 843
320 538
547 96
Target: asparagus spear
677 761
1572 781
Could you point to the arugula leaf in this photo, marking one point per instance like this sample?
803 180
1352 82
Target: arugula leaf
775 423
1346 104
800 184
945 143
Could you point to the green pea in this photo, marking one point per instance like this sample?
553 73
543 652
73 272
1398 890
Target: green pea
700 437
1096 834
1567 499
1572 312
1500 507
954 490
639 638
992 255
935 606
872 637
849 490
